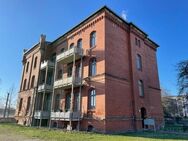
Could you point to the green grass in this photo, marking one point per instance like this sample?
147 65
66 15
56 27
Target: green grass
59 135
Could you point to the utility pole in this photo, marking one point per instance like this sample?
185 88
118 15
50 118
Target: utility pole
6 105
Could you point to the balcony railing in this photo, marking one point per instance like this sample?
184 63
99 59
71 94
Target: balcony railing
45 87
65 115
67 56
42 115
47 64
67 82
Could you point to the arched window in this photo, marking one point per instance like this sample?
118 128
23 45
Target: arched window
35 63
20 104
62 50
92 67
28 104
57 102
27 67
71 46
141 87
92 99
24 85
139 62
32 81
79 43
93 39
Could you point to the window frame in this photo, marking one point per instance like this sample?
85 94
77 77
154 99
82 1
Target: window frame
32 81
92 99
28 104
79 43
93 39
35 63
27 67
24 84
71 46
93 67
141 88
139 62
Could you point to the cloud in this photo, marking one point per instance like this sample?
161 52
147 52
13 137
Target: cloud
124 14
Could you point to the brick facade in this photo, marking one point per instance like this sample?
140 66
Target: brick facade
118 107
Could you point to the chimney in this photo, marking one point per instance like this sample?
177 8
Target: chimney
42 38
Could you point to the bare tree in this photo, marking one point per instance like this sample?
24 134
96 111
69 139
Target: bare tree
182 77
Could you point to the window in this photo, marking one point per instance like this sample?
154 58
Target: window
24 86
35 63
69 70
27 67
141 87
78 71
59 74
137 42
62 50
76 102
57 102
71 46
32 81
93 39
20 104
92 67
92 99
79 43
53 57
67 102
28 104
139 62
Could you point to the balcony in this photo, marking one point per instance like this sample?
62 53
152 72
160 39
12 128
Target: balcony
42 115
67 56
45 87
65 116
47 64
67 82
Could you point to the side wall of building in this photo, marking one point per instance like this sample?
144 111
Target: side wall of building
23 116
118 84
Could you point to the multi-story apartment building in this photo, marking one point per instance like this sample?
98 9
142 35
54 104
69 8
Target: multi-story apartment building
101 75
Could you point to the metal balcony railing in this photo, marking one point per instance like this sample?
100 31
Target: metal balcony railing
45 87
47 64
42 114
65 115
67 82
67 56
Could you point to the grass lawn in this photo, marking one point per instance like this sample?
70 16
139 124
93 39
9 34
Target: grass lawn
58 135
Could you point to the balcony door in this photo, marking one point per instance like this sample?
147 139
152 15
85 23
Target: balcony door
67 102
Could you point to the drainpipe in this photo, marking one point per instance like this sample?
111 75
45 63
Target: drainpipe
72 92
80 95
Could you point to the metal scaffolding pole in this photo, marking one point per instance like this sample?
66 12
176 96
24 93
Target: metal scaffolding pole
43 98
80 93
72 93
53 92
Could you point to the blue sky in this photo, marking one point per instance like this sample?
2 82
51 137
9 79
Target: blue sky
22 22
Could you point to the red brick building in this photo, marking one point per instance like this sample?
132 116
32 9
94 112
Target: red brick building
101 75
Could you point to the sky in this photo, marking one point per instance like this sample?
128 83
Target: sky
23 21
